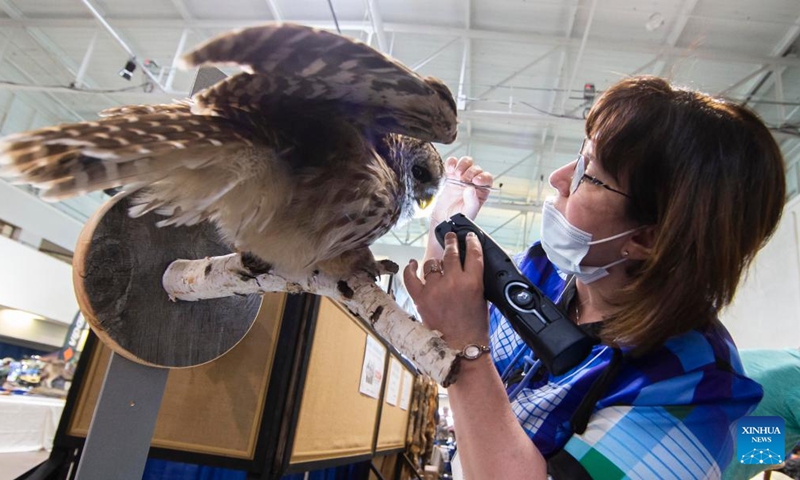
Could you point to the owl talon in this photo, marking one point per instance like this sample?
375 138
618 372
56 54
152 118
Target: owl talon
388 267
255 265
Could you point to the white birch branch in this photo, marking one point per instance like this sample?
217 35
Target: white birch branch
215 277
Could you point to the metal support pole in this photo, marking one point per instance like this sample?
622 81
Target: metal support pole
519 72
777 73
275 11
6 112
506 222
99 17
515 165
743 80
578 58
377 25
123 422
7 43
433 55
176 59
85 62
461 98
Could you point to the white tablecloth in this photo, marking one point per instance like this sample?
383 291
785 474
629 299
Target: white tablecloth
28 424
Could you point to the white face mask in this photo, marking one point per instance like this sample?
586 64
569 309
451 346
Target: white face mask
566 245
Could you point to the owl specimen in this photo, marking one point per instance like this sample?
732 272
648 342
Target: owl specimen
315 150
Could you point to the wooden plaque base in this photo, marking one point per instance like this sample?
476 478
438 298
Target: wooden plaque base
117 271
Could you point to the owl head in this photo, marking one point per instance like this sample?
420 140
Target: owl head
418 165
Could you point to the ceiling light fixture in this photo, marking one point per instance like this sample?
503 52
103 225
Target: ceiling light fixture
655 22
18 316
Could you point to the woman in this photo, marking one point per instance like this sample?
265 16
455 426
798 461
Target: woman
672 194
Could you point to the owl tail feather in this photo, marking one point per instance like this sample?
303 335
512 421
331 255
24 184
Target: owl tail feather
140 145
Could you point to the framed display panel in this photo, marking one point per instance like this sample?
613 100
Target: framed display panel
210 409
395 406
233 412
336 423
286 399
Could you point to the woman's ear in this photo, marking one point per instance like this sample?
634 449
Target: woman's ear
640 244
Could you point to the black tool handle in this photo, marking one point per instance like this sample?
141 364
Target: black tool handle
555 339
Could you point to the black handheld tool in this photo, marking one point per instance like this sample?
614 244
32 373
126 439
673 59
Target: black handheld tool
555 339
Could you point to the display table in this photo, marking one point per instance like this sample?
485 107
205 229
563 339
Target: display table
28 423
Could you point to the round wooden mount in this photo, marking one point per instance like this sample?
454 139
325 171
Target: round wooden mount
117 271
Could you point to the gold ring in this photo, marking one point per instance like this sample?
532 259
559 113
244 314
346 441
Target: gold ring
435 267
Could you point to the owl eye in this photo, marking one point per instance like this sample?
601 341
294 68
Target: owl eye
420 174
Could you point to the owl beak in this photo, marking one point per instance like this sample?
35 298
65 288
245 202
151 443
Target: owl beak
424 202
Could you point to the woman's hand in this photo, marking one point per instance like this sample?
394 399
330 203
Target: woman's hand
457 198
451 301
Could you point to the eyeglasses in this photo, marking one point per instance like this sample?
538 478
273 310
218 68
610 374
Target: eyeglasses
579 175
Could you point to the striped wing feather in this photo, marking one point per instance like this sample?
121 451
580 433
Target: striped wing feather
322 68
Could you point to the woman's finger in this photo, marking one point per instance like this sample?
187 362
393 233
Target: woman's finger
451 260
413 284
450 165
483 178
471 173
431 269
473 263
464 163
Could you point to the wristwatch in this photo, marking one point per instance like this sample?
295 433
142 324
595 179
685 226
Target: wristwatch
473 351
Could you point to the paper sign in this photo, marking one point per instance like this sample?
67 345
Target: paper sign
408 384
372 369
393 388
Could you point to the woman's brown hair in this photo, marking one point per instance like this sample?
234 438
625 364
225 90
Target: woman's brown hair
709 176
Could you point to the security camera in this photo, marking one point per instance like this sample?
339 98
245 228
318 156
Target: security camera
128 69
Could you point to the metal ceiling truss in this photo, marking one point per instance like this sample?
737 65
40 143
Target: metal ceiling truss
766 77
716 54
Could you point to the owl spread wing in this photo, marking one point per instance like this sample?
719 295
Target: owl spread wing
318 69
131 145
193 154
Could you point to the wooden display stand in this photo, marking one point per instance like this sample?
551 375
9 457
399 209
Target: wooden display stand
284 400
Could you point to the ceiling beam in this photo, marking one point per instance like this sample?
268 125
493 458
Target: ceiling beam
11 10
465 75
716 54
513 118
182 9
527 142
518 72
674 35
30 78
433 55
121 95
173 69
40 38
515 165
763 85
118 37
377 24
87 57
646 66
275 10
577 63
7 43
461 97
732 88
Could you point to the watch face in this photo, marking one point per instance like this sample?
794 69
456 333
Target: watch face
472 352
